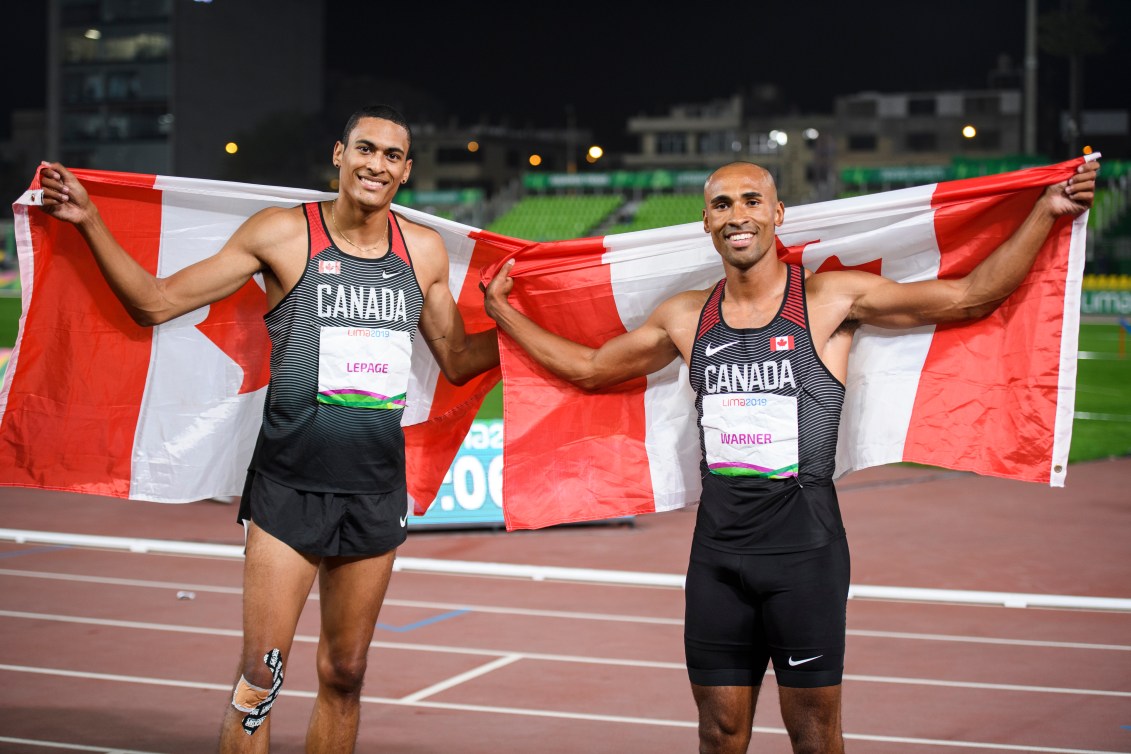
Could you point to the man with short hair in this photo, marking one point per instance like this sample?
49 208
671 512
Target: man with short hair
767 352
348 283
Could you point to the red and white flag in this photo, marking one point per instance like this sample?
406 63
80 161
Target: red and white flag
994 396
93 403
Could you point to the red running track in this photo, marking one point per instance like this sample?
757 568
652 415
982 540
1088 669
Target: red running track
98 654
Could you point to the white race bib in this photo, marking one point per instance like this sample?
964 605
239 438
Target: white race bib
751 434
362 367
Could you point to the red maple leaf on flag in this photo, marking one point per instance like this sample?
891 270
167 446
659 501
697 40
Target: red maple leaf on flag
235 325
833 263
793 255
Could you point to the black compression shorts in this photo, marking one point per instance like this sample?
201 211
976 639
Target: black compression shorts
745 610
324 523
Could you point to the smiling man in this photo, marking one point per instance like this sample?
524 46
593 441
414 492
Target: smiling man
349 284
767 352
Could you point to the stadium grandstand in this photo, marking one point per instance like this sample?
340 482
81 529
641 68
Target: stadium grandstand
556 218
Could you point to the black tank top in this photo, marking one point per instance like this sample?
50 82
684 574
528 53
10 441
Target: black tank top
340 341
769 413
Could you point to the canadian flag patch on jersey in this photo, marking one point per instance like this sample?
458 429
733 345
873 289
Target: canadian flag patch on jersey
781 343
330 267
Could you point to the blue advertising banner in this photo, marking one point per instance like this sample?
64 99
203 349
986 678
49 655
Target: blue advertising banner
472 491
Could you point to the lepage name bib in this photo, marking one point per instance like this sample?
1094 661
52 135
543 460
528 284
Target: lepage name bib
363 367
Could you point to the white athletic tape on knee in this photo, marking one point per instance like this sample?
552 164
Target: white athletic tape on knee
256 701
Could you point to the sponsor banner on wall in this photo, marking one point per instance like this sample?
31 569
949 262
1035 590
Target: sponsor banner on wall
472 490
1105 302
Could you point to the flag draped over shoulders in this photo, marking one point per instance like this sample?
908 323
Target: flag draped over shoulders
993 396
91 402
94 403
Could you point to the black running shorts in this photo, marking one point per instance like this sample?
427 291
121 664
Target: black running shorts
743 611
326 524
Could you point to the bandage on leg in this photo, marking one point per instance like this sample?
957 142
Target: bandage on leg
247 697
256 701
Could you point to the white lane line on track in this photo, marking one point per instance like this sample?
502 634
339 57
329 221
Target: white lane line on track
1123 418
446 606
563 614
1100 355
539 713
989 686
313 639
545 657
986 640
70 747
579 575
114 581
456 680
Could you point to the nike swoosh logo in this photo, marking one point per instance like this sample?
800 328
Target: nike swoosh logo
712 350
387 275
403 520
794 663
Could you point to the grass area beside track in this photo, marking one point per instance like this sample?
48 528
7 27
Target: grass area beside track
1102 428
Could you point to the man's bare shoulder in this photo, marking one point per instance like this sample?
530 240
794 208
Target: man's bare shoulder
275 224
417 235
683 308
272 234
694 299
426 247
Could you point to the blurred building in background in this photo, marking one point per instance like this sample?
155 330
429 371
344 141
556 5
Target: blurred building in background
165 86
752 126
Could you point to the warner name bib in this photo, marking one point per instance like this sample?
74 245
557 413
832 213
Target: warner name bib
362 367
751 434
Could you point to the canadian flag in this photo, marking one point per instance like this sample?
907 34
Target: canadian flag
993 396
91 402
781 343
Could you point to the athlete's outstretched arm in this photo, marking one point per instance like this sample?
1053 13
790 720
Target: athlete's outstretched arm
636 353
148 299
461 355
874 300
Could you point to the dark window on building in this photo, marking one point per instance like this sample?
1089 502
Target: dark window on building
140 122
983 105
922 142
671 143
719 142
862 108
121 44
862 143
921 106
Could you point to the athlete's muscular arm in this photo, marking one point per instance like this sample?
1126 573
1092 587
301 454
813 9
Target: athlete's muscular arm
871 299
461 355
151 300
663 337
